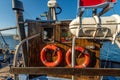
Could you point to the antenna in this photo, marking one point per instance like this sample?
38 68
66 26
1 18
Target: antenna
77 5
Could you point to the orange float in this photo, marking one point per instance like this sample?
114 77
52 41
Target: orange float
43 55
84 52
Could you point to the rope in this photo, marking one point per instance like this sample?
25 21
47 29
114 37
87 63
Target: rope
4 39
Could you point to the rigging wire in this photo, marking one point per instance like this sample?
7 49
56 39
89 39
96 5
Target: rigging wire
114 11
107 55
78 6
28 15
6 45
16 35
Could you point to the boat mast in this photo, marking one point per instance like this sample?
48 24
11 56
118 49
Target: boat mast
17 7
52 5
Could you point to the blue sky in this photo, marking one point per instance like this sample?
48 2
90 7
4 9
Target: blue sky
33 8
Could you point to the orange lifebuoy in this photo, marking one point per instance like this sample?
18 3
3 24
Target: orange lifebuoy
86 55
43 55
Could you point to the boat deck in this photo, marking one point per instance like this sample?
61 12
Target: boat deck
4 73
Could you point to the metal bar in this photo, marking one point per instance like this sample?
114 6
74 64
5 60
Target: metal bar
94 12
73 56
73 52
52 13
97 22
107 8
81 11
66 71
106 32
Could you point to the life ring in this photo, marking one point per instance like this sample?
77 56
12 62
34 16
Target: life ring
43 55
83 51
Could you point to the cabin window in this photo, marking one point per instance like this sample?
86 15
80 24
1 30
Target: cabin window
48 35
66 36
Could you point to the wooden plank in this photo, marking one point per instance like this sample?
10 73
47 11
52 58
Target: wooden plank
66 71
34 44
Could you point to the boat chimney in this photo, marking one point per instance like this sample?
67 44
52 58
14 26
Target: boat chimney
17 5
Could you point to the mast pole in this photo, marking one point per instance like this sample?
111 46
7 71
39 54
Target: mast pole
17 7
52 4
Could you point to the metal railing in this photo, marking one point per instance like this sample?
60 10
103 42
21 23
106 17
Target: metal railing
19 46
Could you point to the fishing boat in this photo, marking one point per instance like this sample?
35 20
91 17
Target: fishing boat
65 49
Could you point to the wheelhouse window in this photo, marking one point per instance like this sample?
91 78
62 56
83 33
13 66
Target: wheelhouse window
66 36
48 35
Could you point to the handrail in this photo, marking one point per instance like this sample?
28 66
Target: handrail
73 55
19 45
97 22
